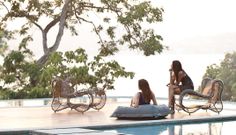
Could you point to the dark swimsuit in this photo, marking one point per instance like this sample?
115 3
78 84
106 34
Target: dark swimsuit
141 99
187 83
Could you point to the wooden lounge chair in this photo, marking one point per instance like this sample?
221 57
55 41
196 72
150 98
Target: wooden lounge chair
210 95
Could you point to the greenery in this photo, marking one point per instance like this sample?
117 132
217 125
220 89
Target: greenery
226 71
19 74
23 76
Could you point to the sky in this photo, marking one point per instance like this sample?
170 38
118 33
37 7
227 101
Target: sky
198 33
199 26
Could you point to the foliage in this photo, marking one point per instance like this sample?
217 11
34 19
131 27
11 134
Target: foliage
226 71
212 71
233 90
18 72
123 23
91 73
130 17
3 45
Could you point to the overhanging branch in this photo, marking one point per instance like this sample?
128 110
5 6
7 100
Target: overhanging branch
2 3
94 26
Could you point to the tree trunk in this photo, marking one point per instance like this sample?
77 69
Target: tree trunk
47 51
41 61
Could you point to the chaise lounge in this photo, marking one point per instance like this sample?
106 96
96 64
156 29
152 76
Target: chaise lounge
209 97
67 95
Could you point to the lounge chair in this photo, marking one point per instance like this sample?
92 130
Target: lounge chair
66 95
210 95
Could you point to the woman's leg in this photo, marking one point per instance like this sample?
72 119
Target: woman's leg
172 91
171 97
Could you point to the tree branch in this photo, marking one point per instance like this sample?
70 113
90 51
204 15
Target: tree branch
26 15
2 3
129 32
83 5
45 31
94 26
125 26
45 40
107 8
55 46
36 25
61 26
51 24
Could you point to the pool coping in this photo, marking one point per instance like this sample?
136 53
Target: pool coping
165 122
131 123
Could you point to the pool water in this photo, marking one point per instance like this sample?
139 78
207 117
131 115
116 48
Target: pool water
211 128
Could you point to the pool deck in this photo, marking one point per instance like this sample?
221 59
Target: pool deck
43 118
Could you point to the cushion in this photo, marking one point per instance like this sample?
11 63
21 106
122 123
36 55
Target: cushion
207 89
142 111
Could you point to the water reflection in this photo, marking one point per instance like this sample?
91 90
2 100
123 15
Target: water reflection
149 130
195 129
186 129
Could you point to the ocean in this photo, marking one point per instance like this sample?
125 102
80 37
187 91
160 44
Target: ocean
155 69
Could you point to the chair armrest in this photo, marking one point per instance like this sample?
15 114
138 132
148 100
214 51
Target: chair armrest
192 93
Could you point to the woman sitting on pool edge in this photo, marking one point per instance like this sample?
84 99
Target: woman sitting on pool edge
145 96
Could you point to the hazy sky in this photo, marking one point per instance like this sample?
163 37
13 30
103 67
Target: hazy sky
198 33
199 26
189 26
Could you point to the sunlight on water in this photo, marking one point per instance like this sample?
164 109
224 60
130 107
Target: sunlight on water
211 128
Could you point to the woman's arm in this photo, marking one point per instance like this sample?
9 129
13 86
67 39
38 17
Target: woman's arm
181 75
135 100
172 78
154 99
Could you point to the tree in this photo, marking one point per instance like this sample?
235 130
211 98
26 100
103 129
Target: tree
212 71
129 16
226 71
69 14
233 90
3 43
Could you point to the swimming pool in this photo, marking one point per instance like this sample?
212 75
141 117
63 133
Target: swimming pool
209 128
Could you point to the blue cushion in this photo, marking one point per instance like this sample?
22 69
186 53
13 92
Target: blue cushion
142 111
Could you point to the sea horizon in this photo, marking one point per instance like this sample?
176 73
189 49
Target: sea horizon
155 69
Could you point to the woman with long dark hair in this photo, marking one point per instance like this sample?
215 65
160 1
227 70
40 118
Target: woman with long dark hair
145 96
179 81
